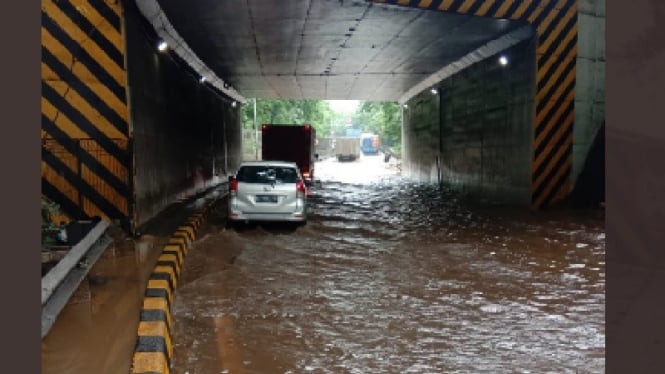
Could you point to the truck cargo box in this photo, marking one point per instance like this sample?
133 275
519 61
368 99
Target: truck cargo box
293 143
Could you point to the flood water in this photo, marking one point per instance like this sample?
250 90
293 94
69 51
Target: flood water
96 331
394 277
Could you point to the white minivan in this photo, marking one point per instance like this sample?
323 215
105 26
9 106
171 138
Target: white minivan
267 191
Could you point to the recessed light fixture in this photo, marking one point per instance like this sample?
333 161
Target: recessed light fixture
162 46
503 60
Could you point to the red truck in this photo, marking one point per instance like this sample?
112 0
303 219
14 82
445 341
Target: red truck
294 143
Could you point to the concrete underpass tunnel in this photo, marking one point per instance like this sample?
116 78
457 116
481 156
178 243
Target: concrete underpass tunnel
128 129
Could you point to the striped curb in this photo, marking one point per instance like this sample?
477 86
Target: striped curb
153 352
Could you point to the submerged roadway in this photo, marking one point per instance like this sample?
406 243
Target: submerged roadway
387 276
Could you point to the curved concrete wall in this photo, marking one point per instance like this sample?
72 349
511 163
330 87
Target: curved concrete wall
185 135
476 135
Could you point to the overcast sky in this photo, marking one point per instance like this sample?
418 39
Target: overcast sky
343 106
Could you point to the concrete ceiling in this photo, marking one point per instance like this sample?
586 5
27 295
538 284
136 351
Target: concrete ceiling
326 49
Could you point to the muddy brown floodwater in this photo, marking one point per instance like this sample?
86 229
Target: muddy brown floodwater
394 277
96 331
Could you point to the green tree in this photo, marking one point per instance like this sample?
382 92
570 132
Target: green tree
314 112
382 118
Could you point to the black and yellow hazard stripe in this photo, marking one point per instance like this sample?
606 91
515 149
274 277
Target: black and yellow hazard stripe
555 104
555 22
153 352
85 125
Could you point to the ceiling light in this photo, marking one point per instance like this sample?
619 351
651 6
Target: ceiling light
162 46
405 106
503 60
233 104
203 79
434 91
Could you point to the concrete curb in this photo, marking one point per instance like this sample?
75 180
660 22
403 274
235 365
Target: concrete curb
153 352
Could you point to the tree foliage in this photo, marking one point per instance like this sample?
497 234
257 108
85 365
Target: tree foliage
382 118
314 112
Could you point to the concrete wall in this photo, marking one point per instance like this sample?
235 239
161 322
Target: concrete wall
590 84
479 128
420 138
184 133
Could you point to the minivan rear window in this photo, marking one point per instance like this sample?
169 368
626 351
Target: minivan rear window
267 174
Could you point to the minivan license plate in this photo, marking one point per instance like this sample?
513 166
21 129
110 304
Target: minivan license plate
266 198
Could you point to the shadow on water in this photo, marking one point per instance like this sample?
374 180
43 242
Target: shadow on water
276 228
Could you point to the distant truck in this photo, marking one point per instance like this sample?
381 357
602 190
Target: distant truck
347 148
293 143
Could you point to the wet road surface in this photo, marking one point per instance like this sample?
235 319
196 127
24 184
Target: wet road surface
96 331
393 277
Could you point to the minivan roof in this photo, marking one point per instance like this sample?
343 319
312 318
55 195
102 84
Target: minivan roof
268 163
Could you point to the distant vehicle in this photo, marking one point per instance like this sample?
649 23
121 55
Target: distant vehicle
291 143
369 144
347 148
267 191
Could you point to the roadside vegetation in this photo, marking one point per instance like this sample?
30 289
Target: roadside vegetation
382 118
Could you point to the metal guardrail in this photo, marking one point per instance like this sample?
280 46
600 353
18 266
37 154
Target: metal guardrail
60 283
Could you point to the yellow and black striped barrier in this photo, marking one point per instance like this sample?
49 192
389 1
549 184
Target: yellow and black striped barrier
86 149
153 352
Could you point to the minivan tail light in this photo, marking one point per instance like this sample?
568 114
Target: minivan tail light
233 186
300 187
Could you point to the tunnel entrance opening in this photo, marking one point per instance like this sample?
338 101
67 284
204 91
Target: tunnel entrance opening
340 126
